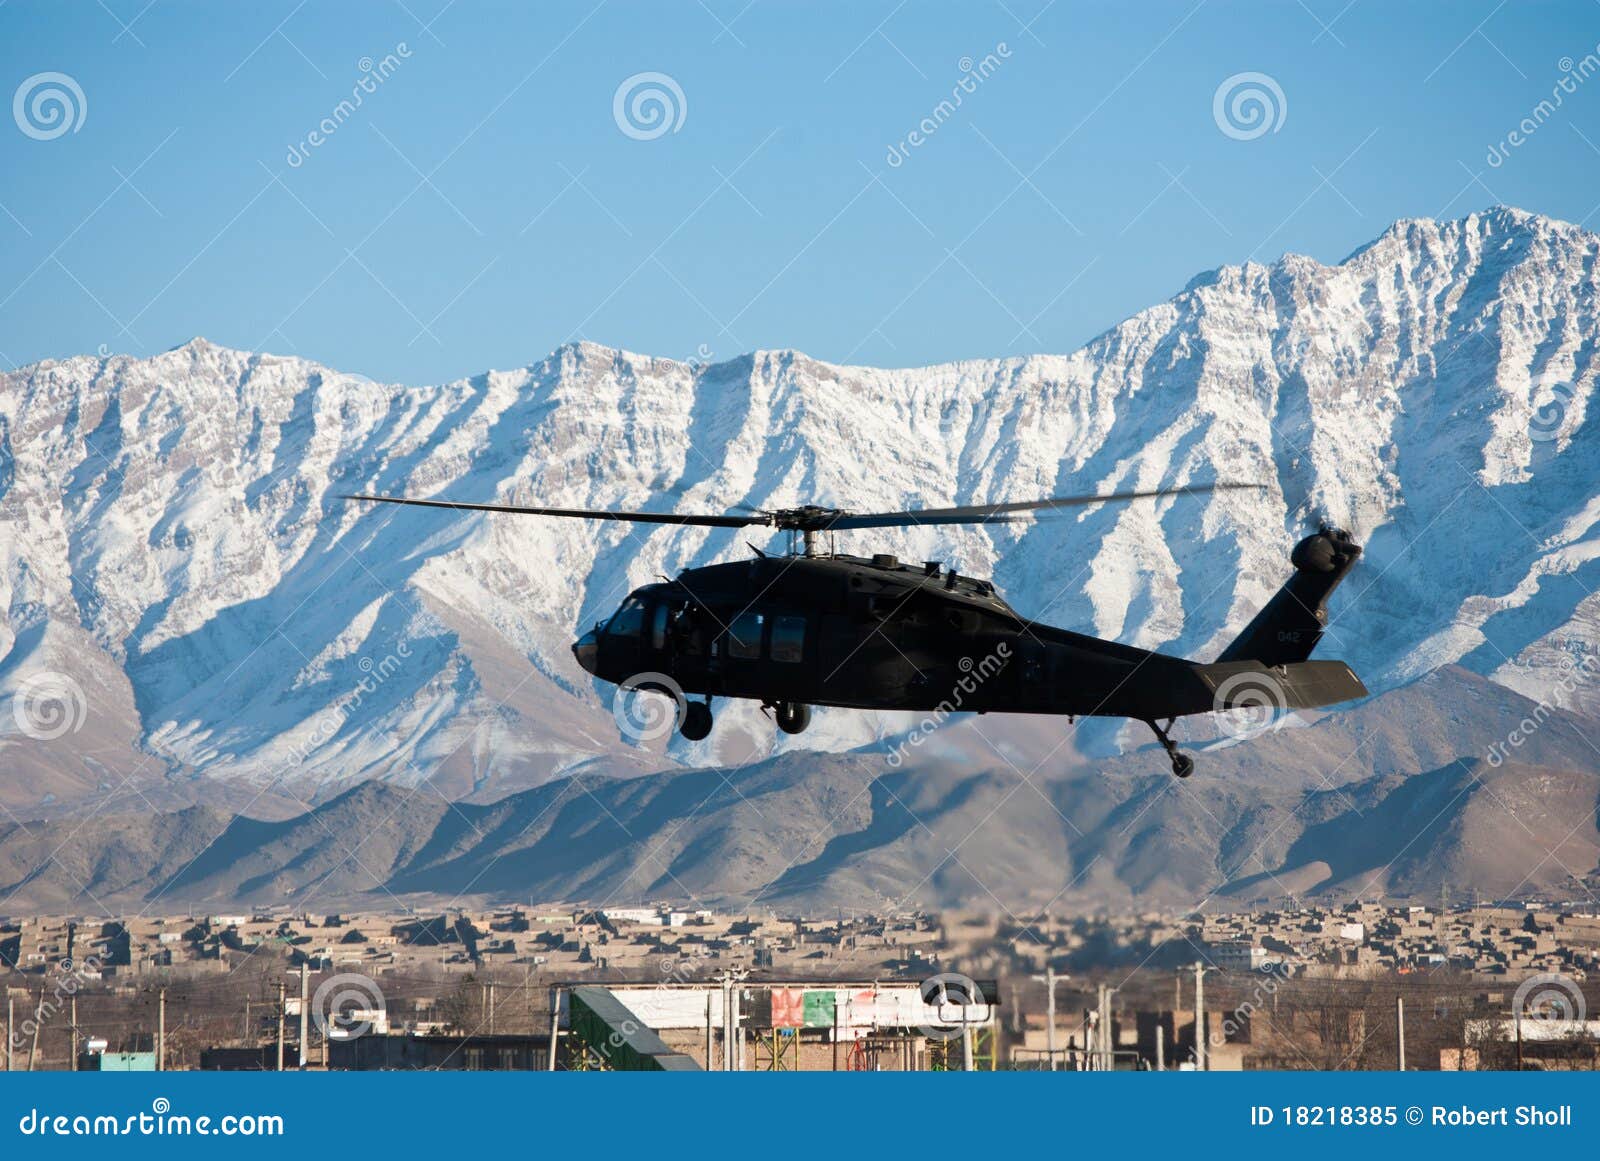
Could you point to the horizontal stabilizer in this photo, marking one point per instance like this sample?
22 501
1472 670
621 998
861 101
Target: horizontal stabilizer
1298 685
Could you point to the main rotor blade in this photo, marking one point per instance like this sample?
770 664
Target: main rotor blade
1004 513
576 513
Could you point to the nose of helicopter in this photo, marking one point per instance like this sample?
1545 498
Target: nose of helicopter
586 649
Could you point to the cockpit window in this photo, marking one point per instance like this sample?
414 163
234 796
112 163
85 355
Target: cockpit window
629 620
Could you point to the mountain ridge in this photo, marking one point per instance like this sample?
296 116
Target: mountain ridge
226 619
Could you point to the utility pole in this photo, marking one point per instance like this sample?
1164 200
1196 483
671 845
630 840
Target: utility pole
161 1030
1107 1040
1161 1046
1050 980
1400 1028
32 1049
1097 1056
1200 1034
1050 1013
732 1035
727 1023
555 1027
11 1017
490 987
73 1019
305 1012
245 1032
738 1028
282 1015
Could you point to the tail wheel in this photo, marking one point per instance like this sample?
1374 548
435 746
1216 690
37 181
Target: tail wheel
793 716
696 721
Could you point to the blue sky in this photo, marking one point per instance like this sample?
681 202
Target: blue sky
484 204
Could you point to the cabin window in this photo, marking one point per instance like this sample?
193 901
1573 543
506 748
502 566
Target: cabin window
629 619
744 639
658 626
788 638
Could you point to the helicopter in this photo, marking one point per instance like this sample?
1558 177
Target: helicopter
813 627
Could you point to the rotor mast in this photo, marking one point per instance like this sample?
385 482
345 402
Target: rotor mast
804 525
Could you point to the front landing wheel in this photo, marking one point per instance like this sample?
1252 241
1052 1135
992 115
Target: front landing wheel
793 716
696 721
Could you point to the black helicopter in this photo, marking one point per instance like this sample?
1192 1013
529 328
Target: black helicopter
818 628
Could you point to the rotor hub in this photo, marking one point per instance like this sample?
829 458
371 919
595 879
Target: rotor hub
807 518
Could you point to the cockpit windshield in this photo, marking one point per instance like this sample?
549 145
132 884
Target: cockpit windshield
628 621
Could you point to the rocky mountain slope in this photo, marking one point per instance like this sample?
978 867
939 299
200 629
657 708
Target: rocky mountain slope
1402 796
181 582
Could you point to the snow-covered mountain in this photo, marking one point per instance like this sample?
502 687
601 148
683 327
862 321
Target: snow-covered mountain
186 597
